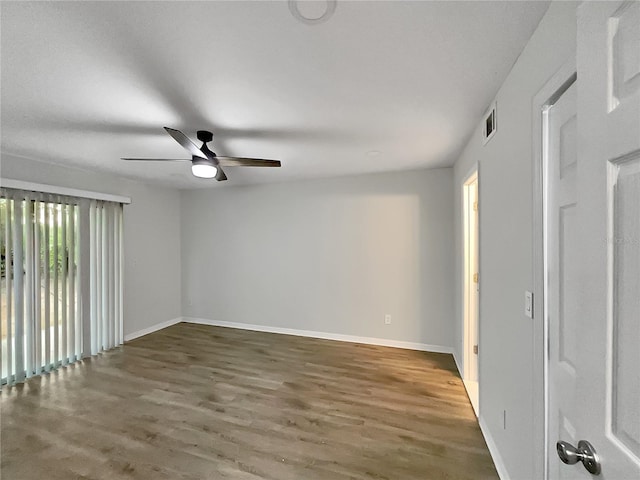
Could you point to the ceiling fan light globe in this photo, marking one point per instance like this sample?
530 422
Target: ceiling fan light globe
203 170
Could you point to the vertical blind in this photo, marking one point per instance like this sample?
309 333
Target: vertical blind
43 324
105 220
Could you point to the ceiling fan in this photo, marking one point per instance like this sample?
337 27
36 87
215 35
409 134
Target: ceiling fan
204 162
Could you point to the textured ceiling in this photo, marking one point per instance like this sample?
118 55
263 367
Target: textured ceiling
85 83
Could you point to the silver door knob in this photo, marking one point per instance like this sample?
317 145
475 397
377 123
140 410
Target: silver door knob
585 453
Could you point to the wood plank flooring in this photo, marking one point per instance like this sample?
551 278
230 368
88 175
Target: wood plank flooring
200 402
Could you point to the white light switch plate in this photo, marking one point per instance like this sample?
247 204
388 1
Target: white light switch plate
528 304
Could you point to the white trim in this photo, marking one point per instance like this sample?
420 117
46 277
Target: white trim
424 347
547 95
153 328
475 407
455 359
473 393
467 272
474 169
493 450
72 192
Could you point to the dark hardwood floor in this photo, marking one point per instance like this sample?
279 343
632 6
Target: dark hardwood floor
199 402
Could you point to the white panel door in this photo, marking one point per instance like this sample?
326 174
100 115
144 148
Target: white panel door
602 252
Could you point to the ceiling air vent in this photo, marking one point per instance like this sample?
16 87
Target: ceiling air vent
489 124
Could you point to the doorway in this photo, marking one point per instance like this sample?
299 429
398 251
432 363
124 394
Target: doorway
589 272
562 272
471 288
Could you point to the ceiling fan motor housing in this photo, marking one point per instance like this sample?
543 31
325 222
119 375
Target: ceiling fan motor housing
204 136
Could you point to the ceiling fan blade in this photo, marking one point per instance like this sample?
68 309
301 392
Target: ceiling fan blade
247 162
220 175
157 159
183 140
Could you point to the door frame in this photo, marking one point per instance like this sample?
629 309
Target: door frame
543 100
471 177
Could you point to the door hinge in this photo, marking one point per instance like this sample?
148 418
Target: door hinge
475 349
475 278
475 206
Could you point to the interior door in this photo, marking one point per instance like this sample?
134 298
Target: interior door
597 329
563 276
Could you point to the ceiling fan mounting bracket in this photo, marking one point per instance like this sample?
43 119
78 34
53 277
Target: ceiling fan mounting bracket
204 136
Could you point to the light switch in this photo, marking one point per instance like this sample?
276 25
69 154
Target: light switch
528 304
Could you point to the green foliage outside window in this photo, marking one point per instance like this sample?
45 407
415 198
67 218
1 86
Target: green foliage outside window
38 223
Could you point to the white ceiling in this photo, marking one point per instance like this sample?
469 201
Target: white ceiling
85 83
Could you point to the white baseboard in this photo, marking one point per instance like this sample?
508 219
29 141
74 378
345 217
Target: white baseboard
493 450
324 335
151 329
473 393
455 359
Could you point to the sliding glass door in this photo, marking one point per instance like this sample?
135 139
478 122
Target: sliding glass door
44 240
40 323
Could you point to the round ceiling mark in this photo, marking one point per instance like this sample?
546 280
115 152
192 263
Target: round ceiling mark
295 11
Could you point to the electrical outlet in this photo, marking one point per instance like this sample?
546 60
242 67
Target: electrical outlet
387 319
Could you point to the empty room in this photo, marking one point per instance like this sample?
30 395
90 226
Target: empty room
320 240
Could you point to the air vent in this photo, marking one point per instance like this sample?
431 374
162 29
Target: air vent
489 124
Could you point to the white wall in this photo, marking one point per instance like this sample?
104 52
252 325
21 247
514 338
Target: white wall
151 242
506 269
329 256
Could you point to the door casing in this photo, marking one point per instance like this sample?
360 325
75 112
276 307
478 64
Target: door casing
471 304
546 97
